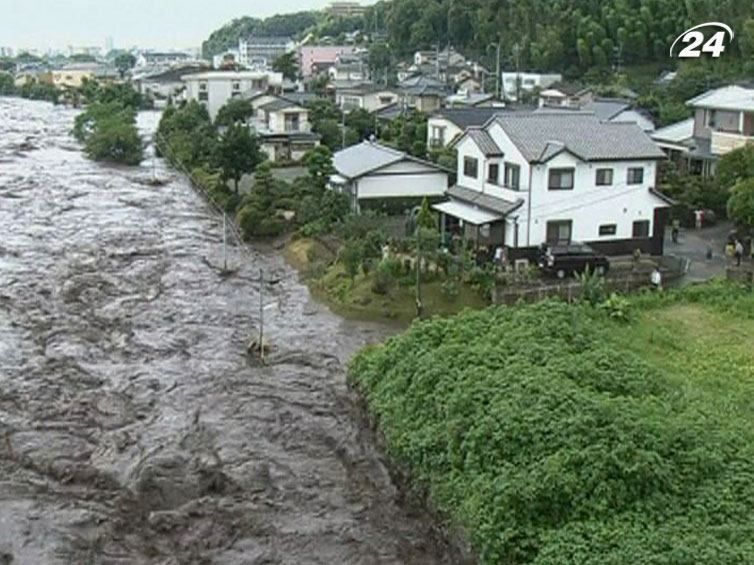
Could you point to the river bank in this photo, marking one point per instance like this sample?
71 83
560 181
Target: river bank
134 428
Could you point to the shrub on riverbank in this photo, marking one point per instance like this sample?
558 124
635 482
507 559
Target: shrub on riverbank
552 434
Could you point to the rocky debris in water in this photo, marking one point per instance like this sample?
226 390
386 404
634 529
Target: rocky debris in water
27 146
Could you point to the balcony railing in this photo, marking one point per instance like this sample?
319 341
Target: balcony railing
723 142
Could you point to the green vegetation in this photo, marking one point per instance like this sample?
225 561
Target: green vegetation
237 153
108 132
555 433
741 203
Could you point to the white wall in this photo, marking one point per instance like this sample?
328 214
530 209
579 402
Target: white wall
403 179
451 130
588 205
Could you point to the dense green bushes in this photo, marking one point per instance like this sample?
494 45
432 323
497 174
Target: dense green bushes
108 132
550 437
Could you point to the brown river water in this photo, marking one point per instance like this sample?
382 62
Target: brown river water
133 428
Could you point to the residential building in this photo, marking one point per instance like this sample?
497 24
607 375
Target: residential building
226 60
525 179
723 120
315 57
565 95
448 124
423 93
351 67
73 75
619 110
6 51
161 58
215 88
260 52
469 99
367 96
282 126
375 176
515 82
164 85
346 9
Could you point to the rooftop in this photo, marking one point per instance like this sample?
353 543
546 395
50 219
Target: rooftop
732 97
678 132
541 136
467 117
484 141
359 160
268 40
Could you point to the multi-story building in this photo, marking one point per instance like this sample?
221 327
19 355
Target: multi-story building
514 83
215 88
282 126
162 59
723 120
260 52
448 124
525 179
345 9
367 96
315 57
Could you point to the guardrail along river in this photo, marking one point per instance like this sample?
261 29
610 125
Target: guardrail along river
133 428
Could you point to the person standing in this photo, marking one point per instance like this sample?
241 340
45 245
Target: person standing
738 252
656 279
674 230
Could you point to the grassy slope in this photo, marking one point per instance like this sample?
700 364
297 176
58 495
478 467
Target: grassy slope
552 434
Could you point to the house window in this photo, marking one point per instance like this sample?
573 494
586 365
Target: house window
292 122
438 136
386 99
561 179
711 115
493 172
512 176
635 175
470 167
608 229
641 228
604 177
235 85
559 232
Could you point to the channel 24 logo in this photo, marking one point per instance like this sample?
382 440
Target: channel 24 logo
699 43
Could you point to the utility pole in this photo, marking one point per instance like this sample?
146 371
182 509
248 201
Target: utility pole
419 306
261 314
498 77
516 49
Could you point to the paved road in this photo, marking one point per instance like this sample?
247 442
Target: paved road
694 245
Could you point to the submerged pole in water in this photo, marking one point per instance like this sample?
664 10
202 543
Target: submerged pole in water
225 244
261 314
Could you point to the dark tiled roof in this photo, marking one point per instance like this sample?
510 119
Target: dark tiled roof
277 104
607 108
468 117
485 143
482 200
541 135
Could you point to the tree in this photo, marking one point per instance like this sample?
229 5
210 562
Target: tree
237 154
741 203
736 166
362 122
124 63
319 163
235 111
108 131
287 65
425 218
7 85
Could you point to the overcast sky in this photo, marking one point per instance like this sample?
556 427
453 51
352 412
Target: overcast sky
46 24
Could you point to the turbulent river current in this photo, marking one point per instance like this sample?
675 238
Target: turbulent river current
133 427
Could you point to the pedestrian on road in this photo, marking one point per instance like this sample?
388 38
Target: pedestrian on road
699 219
676 228
738 252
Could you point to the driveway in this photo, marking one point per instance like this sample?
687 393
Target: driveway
695 244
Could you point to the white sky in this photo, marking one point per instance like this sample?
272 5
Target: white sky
44 24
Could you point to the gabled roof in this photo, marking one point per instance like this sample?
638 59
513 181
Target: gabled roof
607 108
493 203
359 160
467 117
277 104
567 88
423 85
732 97
678 132
484 141
539 136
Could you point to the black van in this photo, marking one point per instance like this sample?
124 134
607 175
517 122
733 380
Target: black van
563 260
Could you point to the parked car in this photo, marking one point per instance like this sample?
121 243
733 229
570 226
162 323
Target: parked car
563 260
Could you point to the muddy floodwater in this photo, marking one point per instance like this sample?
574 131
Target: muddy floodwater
133 429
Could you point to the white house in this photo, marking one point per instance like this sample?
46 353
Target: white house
368 96
161 59
447 124
260 52
374 175
215 88
513 82
282 126
530 178
723 120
